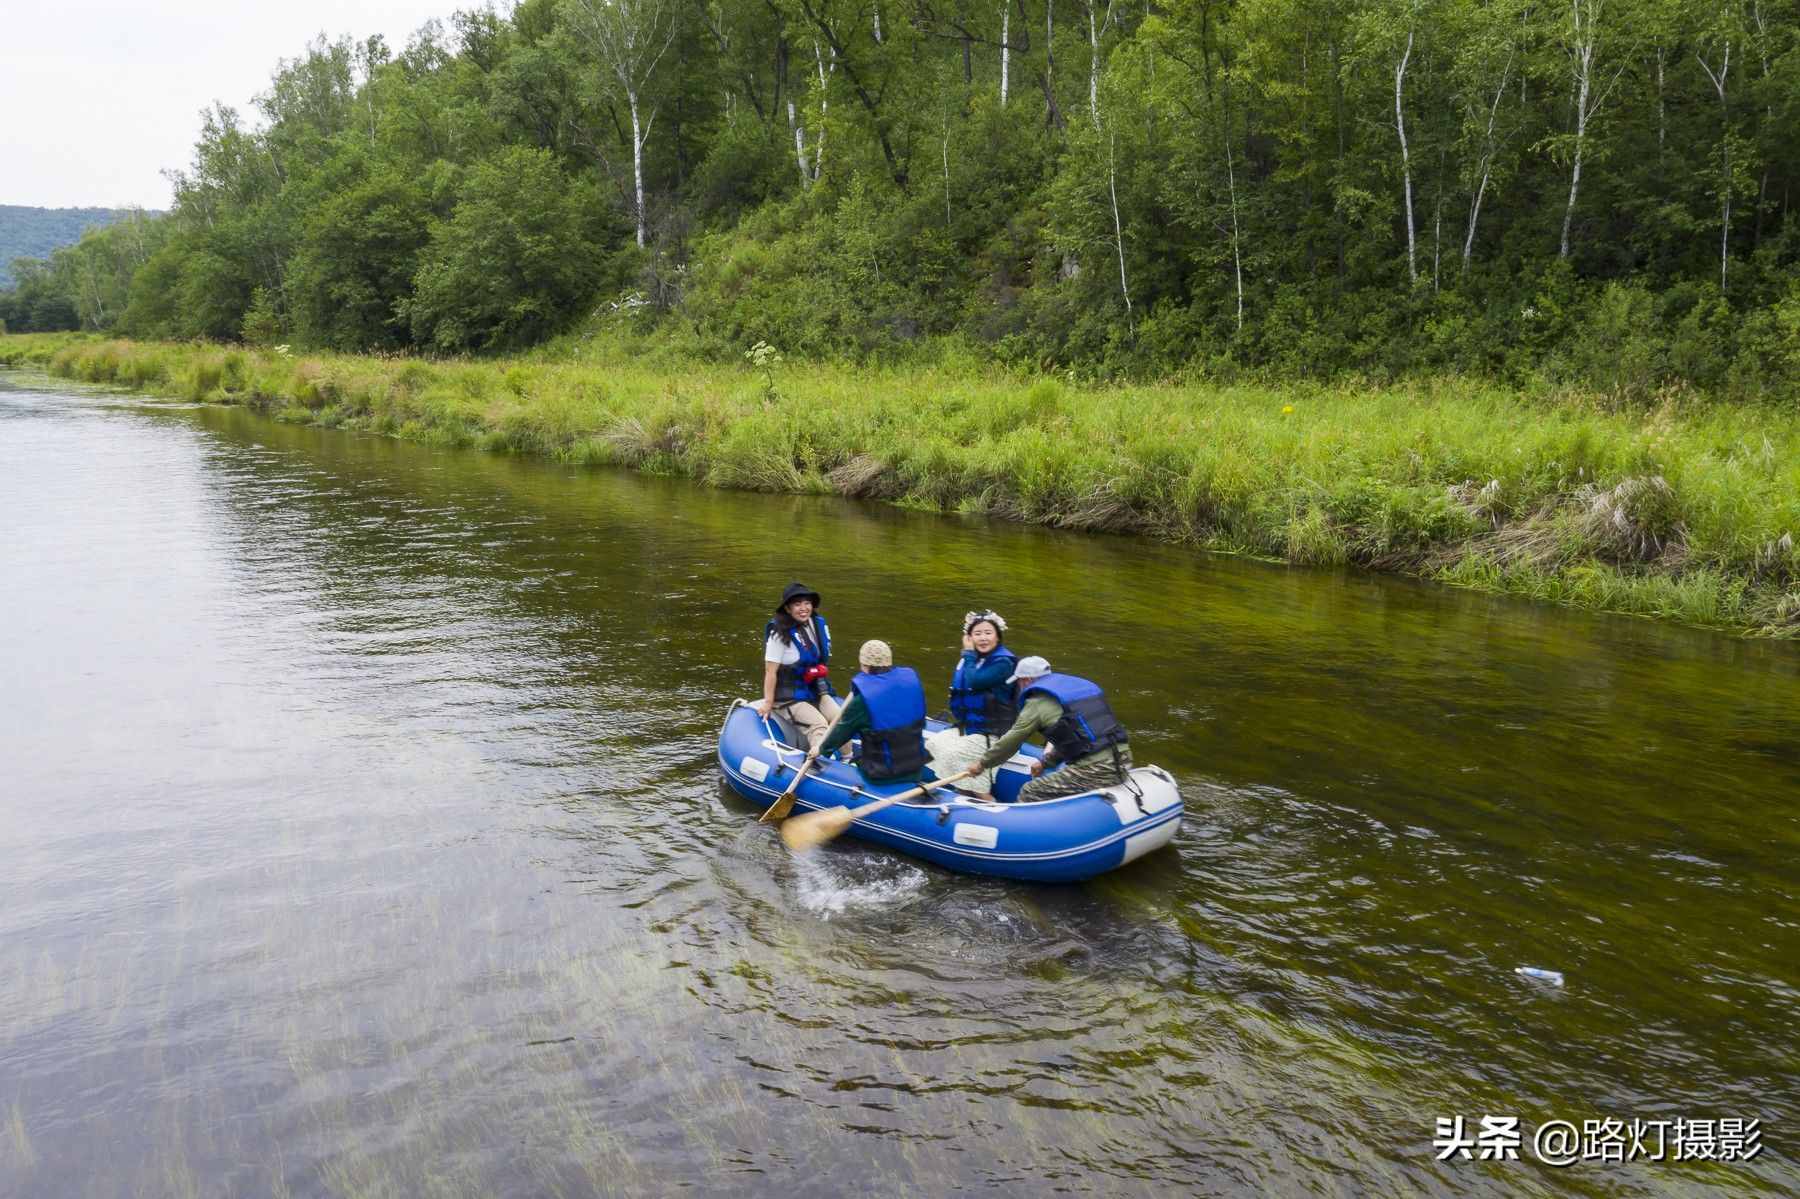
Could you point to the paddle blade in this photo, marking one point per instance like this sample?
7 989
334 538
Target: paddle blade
776 812
784 803
815 828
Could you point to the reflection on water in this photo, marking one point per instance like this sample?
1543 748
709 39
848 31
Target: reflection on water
362 836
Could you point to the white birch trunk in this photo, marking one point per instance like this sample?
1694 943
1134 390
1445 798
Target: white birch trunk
1662 110
1718 79
1237 261
1762 42
799 144
1487 166
91 284
1437 231
1005 51
1582 52
824 107
1574 187
1112 186
1093 67
637 167
1412 268
946 172
631 37
1475 216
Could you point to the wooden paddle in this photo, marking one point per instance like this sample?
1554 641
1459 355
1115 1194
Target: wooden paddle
815 828
784 803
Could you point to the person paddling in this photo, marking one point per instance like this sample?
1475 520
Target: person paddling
887 708
983 704
1084 736
796 665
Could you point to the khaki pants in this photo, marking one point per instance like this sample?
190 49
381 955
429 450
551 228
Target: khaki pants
952 751
812 720
1091 773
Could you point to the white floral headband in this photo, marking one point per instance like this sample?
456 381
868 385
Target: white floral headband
971 619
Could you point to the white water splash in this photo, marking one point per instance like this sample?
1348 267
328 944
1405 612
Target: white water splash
831 884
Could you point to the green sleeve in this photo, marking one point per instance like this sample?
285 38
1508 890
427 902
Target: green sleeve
855 720
1038 714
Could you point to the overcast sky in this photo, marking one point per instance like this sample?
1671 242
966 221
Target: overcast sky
98 97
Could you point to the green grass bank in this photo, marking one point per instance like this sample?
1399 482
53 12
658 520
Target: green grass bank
1685 511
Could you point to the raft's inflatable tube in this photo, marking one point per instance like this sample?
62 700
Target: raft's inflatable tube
1056 841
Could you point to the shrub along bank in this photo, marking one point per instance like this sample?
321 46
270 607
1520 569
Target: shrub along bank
1685 511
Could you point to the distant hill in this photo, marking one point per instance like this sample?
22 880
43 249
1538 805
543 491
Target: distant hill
34 232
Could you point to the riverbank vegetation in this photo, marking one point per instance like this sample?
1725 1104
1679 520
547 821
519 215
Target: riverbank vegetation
1497 293
1586 194
1685 510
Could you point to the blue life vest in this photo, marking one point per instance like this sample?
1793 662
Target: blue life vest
789 685
1087 725
992 711
893 746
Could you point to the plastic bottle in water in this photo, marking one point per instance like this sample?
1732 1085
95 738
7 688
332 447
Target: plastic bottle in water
1552 977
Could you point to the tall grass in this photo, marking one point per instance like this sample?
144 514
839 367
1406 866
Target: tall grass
1683 511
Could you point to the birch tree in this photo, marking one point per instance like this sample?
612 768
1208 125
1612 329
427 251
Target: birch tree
1112 190
1052 113
1389 36
809 175
1412 266
1237 250
1096 30
630 38
1486 57
1005 48
1583 39
1718 73
872 73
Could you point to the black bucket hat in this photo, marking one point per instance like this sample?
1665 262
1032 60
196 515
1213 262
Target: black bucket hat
798 591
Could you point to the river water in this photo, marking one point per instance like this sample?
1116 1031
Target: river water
361 834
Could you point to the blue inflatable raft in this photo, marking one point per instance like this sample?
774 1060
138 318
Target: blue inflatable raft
1057 841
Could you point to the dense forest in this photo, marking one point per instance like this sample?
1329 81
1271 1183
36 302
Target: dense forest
27 232
1597 193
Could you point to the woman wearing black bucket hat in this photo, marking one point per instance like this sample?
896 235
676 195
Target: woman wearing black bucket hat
796 665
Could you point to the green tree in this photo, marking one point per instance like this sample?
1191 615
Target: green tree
358 249
517 257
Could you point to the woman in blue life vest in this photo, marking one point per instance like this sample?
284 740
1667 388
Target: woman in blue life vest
982 704
887 709
1087 745
796 665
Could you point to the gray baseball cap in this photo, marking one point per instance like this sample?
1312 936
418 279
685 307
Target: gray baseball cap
1029 668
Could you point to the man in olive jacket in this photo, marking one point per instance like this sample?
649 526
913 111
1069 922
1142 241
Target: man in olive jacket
1072 715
